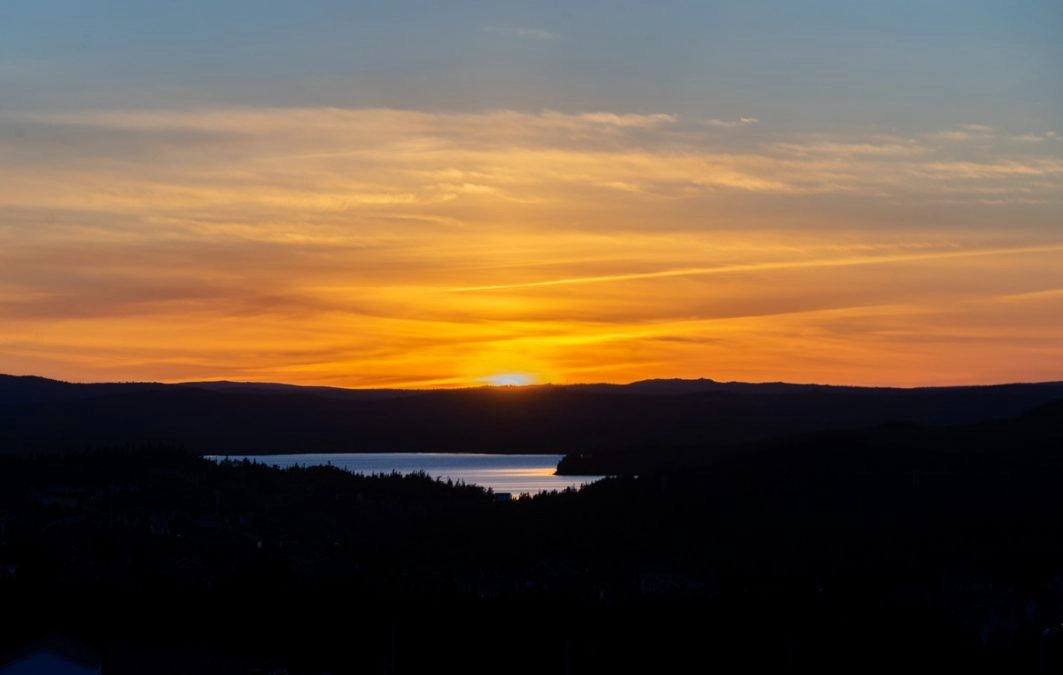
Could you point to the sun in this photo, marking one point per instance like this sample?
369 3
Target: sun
509 379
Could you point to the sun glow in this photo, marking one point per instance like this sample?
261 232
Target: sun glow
369 247
509 380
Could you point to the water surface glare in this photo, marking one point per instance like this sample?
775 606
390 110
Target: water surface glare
502 473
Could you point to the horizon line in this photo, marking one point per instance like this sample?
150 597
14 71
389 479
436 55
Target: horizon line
532 385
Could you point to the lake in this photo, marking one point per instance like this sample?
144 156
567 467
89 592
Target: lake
501 473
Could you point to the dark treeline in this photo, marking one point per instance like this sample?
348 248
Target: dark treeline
927 449
842 552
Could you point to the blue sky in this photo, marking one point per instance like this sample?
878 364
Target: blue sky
803 64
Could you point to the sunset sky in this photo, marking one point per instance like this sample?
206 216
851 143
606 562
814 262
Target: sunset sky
440 194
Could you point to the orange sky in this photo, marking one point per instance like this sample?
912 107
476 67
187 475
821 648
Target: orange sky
370 247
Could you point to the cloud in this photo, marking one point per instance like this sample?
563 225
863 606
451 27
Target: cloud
1034 138
326 245
537 34
613 119
779 265
524 33
991 169
890 147
730 124
967 133
335 160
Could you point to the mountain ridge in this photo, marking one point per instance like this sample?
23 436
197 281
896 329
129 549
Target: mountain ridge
40 415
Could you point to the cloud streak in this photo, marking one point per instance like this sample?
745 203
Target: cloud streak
537 34
524 33
334 159
427 248
730 124
771 266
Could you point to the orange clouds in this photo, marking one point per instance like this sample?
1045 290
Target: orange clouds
403 248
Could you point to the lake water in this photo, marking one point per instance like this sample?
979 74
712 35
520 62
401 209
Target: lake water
502 473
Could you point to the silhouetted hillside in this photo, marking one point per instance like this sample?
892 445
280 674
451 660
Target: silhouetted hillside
21 390
1033 434
676 386
589 420
338 393
861 550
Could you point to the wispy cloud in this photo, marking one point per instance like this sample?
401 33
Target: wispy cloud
1037 138
537 34
1050 294
850 261
967 133
403 157
730 124
221 242
524 33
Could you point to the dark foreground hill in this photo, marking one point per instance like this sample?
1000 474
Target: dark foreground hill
595 420
906 547
938 447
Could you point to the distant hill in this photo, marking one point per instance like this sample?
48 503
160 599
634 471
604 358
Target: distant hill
704 385
40 415
1033 436
16 389
22 390
338 393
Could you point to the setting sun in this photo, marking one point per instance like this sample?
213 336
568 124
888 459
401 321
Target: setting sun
368 230
657 335
509 380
